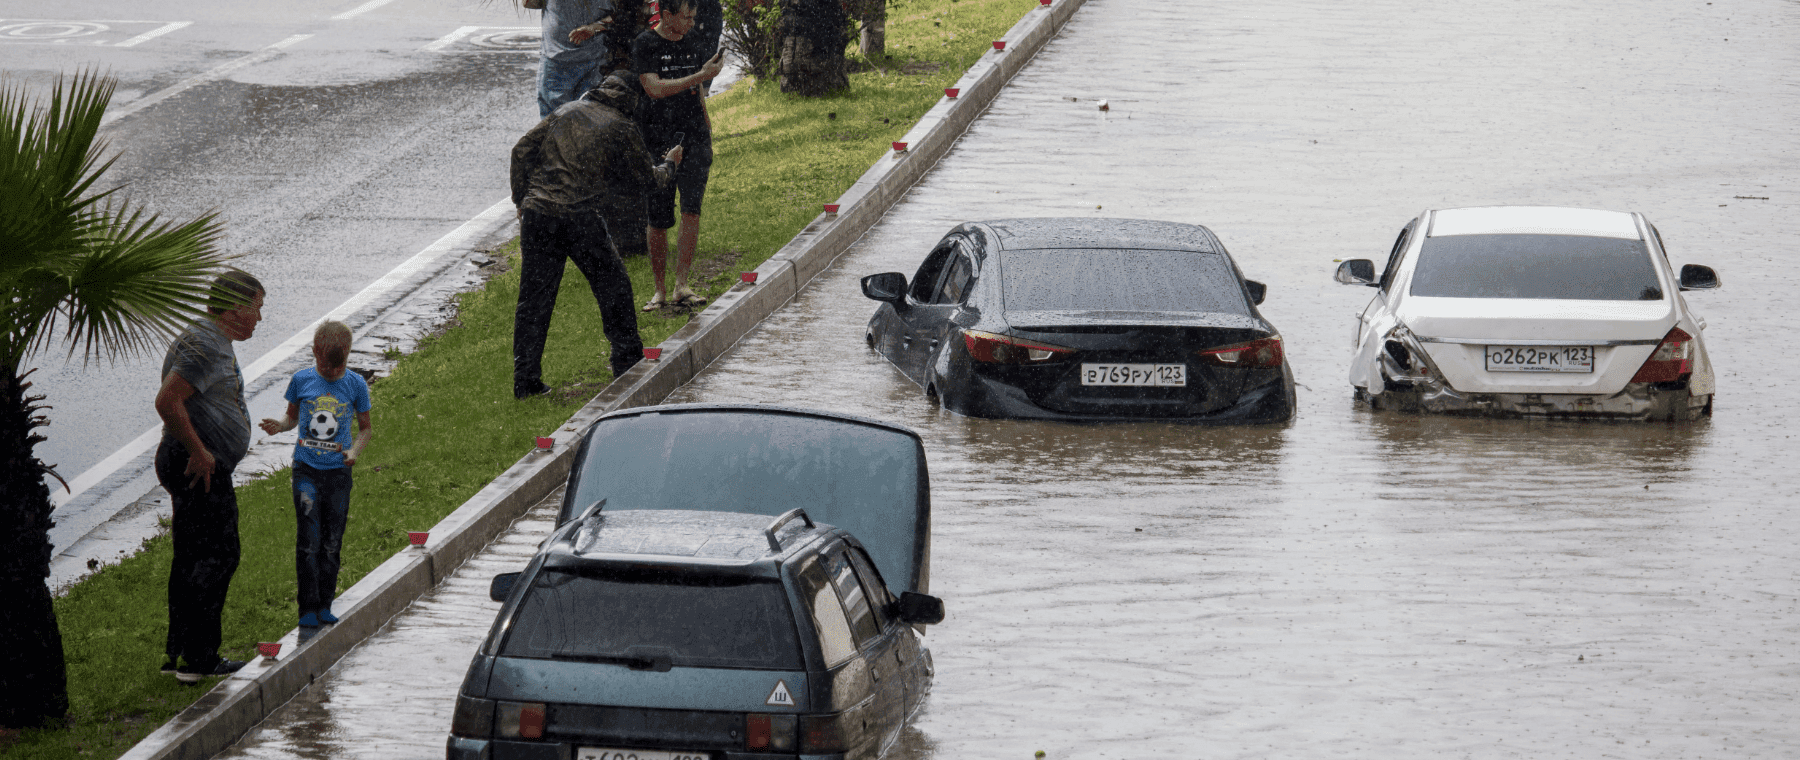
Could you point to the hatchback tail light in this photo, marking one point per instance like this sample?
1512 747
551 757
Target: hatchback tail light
474 718
823 734
769 733
519 720
1257 353
994 348
1673 358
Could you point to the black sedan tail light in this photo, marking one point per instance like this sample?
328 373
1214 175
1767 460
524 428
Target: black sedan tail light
994 348
1265 352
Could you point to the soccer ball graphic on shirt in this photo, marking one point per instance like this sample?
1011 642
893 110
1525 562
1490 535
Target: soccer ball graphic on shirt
322 426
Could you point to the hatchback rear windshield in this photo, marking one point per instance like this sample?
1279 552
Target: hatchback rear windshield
1120 280
696 621
1573 267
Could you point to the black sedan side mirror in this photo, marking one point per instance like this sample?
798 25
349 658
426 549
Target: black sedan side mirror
502 586
920 609
1258 291
887 286
1696 277
1357 272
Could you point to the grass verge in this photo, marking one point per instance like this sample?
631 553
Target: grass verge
445 421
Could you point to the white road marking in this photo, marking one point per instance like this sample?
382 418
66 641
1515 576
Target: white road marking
154 33
360 9
217 72
449 39
457 238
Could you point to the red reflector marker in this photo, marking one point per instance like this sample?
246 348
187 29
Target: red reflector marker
531 720
756 731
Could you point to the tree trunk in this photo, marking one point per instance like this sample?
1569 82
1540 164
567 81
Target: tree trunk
33 684
811 37
872 17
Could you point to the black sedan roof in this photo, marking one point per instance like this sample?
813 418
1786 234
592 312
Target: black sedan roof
1078 232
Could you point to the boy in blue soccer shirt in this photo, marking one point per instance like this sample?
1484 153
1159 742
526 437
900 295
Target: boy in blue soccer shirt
321 400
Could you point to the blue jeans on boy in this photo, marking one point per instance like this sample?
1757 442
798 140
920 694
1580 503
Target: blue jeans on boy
321 506
560 82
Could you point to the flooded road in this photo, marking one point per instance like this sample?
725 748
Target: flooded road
1353 584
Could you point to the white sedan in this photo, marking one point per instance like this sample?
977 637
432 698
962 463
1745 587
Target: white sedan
1531 310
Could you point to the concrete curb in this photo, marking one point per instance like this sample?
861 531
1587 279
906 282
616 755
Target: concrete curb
238 703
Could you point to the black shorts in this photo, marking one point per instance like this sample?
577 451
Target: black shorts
690 181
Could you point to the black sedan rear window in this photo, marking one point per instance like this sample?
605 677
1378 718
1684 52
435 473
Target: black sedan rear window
1120 280
1574 267
696 621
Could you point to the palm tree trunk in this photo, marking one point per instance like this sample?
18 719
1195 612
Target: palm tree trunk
33 684
810 40
871 17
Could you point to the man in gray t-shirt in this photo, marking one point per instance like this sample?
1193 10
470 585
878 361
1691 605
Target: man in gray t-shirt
574 51
206 432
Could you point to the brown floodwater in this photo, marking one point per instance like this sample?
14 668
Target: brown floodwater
1355 583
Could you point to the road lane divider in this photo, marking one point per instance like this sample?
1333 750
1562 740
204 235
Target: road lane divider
360 10
215 73
155 33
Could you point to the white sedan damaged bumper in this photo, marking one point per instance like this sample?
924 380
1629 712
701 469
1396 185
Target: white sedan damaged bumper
1412 382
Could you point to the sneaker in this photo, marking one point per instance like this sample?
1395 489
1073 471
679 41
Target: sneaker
309 620
537 388
168 668
190 674
326 617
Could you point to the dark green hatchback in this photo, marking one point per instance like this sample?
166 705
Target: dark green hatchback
695 602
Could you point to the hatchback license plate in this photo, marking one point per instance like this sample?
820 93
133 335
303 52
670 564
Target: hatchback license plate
1540 358
1154 375
608 753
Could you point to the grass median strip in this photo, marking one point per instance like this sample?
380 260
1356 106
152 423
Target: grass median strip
445 420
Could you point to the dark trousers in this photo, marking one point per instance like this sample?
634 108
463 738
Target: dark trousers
545 242
321 507
206 555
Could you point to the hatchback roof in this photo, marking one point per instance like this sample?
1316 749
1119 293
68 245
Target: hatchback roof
1533 220
684 533
1079 232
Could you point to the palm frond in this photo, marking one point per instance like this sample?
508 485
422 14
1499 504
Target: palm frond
112 276
49 161
144 279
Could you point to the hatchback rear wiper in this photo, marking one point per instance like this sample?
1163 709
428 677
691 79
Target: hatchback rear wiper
658 659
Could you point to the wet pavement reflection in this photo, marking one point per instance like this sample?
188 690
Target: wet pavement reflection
1355 583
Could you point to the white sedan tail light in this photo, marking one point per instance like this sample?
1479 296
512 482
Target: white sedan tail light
1672 359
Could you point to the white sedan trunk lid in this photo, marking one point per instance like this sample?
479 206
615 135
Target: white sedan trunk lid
1457 333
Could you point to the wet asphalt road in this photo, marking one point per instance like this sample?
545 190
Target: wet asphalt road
1354 584
330 158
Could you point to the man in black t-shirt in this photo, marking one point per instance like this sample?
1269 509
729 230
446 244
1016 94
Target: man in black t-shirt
670 67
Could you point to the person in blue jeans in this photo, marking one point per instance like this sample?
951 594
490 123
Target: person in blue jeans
575 54
321 401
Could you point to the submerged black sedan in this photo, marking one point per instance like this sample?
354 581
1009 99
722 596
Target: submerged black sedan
1084 319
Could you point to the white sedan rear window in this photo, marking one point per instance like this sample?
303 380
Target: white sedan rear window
1564 267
